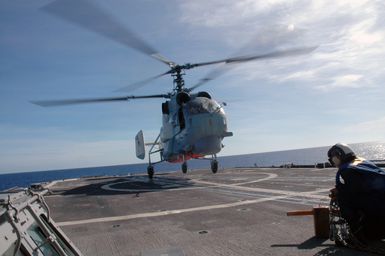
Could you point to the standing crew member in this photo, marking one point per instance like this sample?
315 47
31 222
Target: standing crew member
360 192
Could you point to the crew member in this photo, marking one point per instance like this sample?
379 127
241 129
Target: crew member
360 192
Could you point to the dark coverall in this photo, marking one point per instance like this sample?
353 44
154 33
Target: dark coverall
361 197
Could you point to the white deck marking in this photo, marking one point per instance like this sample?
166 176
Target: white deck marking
169 185
282 194
309 194
269 177
169 212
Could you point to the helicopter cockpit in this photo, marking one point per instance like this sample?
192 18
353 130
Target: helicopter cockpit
201 105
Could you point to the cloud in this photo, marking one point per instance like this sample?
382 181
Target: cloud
216 13
346 79
374 128
350 35
343 82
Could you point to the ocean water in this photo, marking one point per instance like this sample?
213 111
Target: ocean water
307 156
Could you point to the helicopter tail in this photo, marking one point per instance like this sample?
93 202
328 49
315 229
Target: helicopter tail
139 145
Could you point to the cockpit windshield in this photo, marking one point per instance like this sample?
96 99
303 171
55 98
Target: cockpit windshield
202 105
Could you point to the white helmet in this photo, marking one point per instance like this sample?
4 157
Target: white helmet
342 151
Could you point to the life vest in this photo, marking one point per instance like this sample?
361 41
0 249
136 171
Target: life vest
361 186
363 166
361 196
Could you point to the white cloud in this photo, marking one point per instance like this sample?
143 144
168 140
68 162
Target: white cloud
363 38
343 82
350 35
347 79
374 128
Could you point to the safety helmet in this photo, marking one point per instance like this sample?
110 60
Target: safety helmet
342 151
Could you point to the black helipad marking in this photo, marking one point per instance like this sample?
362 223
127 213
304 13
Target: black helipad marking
143 184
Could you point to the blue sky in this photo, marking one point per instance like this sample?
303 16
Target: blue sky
334 94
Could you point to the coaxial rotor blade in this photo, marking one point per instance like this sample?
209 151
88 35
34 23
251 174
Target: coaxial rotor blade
91 17
222 69
210 76
276 54
52 103
139 84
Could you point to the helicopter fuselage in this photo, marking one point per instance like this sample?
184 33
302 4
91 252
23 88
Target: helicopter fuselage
193 127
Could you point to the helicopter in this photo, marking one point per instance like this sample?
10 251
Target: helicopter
193 123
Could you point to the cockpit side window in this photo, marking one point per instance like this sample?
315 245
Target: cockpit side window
202 105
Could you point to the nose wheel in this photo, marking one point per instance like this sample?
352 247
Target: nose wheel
184 167
214 166
150 171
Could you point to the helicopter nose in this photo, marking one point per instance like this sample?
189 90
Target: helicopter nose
206 125
208 145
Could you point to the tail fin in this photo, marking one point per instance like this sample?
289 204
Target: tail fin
139 145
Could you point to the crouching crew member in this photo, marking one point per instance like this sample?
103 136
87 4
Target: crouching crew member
360 192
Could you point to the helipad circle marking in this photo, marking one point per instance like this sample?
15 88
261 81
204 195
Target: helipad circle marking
170 185
164 185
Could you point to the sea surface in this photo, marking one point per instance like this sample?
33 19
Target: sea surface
307 156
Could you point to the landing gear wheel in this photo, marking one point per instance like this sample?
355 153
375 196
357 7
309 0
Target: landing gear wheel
184 167
150 171
214 166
